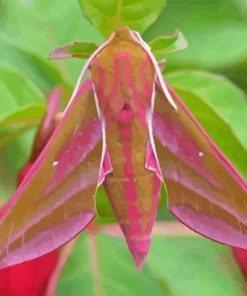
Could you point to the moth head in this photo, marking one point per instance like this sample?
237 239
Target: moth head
123 73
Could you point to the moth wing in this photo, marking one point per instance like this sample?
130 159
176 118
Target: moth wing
204 190
55 201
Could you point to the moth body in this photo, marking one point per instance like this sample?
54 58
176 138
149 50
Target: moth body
124 76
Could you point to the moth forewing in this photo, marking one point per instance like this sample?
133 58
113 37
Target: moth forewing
56 200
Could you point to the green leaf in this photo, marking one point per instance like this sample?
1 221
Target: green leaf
22 105
38 69
109 15
215 30
8 134
221 108
17 93
30 114
78 49
105 212
12 158
164 45
41 25
101 265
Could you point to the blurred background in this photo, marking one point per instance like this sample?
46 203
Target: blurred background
210 76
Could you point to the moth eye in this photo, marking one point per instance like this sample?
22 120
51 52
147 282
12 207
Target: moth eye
126 106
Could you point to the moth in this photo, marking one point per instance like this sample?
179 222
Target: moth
127 129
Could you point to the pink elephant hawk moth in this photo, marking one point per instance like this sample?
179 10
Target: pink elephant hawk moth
124 128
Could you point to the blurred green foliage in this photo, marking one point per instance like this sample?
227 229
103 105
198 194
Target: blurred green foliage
175 267
216 31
